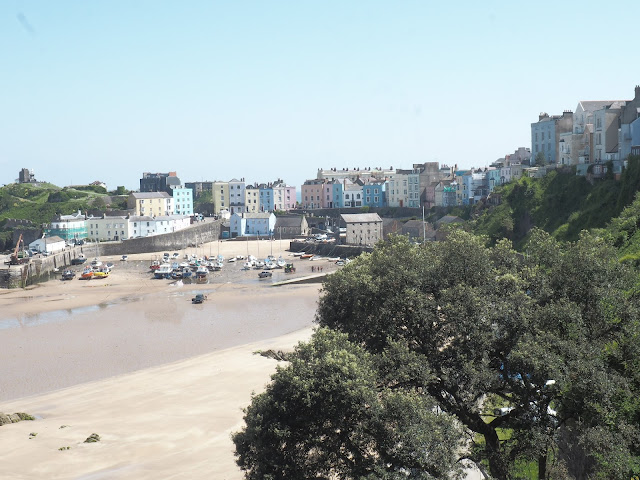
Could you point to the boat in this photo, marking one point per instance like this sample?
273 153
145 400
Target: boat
68 274
265 274
155 265
247 266
232 259
124 258
176 274
297 254
102 272
186 272
164 271
79 260
280 263
199 298
87 273
201 272
306 255
96 263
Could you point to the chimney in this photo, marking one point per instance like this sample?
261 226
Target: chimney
637 97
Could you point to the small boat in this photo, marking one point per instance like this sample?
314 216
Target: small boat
68 274
199 298
79 260
297 254
247 266
96 263
232 259
201 272
186 272
87 273
306 255
280 263
176 274
164 271
124 258
265 274
102 272
239 257
155 265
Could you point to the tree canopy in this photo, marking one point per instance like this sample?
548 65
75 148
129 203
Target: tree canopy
535 355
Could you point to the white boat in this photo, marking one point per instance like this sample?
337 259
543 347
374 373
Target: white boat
202 271
247 266
281 263
232 259
96 263
164 271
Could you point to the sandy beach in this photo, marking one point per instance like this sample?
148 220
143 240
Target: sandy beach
162 381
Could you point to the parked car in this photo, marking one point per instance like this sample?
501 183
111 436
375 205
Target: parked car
199 298
265 274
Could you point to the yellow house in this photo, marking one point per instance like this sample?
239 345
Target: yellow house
220 196
152 204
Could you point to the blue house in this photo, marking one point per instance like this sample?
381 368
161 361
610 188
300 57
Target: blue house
374 194
266 198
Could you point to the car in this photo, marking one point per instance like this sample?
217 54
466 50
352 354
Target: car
265 274
199 298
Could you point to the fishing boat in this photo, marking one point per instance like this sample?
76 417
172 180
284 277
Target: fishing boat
87 273
68 274
164 271
201 272
102 272
79 260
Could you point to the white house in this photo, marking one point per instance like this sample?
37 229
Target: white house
48 244
252 224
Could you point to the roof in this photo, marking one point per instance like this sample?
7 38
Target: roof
361 217
289 221
254 215
413 224
593 105
146 195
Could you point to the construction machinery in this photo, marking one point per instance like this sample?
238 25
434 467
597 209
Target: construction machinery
289 268
19 255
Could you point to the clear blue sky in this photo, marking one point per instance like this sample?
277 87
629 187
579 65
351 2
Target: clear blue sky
105 90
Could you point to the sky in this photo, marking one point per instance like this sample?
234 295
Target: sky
266 90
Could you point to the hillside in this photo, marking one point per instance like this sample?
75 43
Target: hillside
41 202
562 204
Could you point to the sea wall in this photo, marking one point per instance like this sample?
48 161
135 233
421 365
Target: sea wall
197 234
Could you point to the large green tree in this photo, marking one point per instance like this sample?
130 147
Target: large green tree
536 355
329 414
549 336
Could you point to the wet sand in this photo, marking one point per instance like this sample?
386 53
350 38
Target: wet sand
166 379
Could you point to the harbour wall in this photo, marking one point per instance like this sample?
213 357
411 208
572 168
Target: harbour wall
41 269
329 249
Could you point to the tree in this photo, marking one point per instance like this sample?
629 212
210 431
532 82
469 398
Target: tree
328 415
540 159
546 337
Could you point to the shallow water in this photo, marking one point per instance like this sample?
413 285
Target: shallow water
52 350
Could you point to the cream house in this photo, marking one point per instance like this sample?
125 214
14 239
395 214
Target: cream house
151 204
